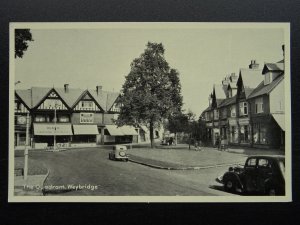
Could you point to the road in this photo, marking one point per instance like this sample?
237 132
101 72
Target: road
99 176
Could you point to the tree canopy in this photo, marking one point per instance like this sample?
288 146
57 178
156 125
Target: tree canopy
152 90
22 37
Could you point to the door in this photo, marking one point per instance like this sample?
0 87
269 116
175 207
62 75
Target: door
250 175
265 172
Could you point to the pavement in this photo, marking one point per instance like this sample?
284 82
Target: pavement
32 186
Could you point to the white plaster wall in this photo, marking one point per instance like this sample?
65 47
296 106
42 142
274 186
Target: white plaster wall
277 97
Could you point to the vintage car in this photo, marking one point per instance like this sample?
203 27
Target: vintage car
263 175
119 152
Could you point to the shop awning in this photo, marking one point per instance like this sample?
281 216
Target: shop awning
121 131
85 129
113 130
144 128
280 120
128 130
52 129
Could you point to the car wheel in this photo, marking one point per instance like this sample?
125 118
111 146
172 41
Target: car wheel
230 186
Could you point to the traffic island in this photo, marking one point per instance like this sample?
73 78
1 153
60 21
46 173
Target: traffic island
172 166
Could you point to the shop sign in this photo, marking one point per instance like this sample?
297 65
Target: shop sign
209 124
52 129
86 117
244 121
232 122
216 124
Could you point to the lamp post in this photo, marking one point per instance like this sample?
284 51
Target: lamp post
54 136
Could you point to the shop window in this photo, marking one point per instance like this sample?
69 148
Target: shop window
263 135
244 134
243 108
84 138
233 134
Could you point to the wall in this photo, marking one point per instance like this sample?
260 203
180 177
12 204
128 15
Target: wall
276 97
108 119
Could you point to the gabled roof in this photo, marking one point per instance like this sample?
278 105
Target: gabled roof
25 96
111 98
32 97
265 89
228 101
207 109
251 77
219 91
248 91
71 96
37 95
273 67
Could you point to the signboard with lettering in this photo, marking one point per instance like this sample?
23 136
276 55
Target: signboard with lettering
86 117
52 129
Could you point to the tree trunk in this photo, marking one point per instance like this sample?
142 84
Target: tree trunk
151 135
175 138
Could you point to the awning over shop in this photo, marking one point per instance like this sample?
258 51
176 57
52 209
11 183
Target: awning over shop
144 128
52 129
280 120
85 129
128 130
113 130
120 131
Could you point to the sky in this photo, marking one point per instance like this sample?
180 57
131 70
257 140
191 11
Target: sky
85 58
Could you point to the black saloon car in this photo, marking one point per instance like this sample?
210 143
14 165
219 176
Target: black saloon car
264 175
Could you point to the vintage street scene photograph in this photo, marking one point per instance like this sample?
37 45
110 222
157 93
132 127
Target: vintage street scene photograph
185 112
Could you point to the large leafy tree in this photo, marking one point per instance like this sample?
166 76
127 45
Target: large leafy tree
22 37
151 92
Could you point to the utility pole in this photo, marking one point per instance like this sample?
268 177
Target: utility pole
26 148
54 143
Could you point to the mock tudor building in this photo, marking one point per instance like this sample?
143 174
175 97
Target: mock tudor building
71 117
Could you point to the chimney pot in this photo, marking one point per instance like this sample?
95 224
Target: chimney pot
66 87
98 89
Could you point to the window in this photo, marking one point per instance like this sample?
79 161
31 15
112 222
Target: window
251 163
39 118
259 107
243 108
216 114
17 105
244 134
232 111
264 163
63 119
87 105
260 134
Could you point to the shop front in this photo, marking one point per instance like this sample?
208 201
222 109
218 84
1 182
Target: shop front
46 134
85 135
124 134
233 131
245 131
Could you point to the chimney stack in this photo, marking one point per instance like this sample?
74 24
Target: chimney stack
253 64
66 87
98 89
